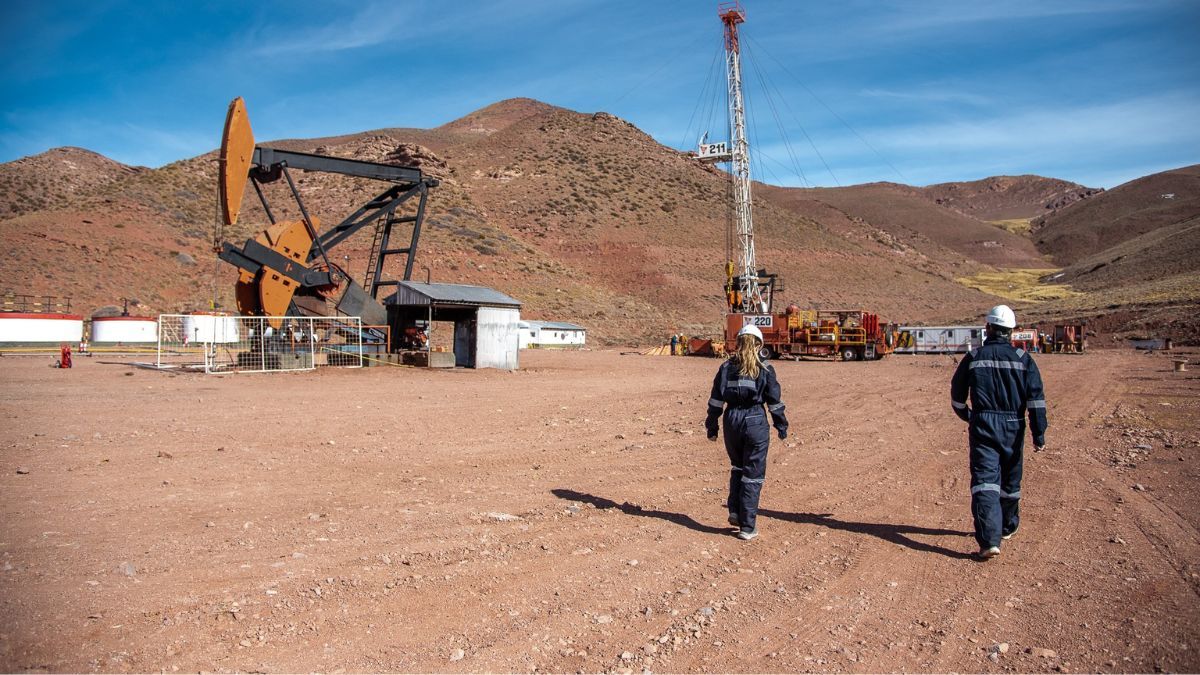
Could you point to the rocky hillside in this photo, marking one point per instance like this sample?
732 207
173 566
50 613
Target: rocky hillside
53 178
582 216
1008 197
1123 213
906 212
1133 251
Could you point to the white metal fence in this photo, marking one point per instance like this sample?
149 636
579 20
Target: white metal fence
250 344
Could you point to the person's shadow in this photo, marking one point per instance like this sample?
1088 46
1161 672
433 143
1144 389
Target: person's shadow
635 510
895 534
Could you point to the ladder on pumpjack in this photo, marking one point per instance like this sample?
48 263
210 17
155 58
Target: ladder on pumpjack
373 278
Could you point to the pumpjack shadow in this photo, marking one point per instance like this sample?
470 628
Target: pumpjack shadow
892 533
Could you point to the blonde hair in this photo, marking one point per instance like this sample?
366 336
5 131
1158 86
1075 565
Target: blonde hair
748 361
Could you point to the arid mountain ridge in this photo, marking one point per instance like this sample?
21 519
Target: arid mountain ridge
581 216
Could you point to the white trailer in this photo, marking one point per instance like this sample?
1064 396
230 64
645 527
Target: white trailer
551 335
938 339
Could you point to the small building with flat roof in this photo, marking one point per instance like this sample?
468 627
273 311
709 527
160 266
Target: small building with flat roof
485 320
551 335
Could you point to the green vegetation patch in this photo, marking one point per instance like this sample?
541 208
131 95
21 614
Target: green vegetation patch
1015 225
1019 284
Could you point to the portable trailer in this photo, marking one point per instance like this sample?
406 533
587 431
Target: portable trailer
938 339
852 334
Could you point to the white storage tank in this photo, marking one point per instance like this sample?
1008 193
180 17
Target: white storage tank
33 328
210 327
124 329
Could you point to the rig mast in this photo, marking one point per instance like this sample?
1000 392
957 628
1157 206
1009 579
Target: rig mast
747 288
751 296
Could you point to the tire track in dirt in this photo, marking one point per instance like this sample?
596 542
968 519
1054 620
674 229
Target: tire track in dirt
1048 488
1172 536
877 508
611 507
863 565
1076 480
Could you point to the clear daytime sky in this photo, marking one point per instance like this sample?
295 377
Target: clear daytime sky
917 91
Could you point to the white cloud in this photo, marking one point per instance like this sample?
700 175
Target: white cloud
408 23
125 142
1100 144
372 24
1135 123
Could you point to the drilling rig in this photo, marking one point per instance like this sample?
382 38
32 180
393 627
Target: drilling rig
749 290
852 335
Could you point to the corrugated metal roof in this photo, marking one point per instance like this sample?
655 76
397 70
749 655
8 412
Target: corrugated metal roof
421 294
553 325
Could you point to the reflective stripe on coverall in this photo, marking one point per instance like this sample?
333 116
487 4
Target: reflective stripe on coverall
1004 385
747 434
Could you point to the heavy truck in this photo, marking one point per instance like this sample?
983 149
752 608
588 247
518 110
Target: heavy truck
851 334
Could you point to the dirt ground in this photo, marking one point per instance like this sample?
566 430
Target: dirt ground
570 516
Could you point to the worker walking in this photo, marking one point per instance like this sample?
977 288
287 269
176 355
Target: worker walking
1003 384
744 383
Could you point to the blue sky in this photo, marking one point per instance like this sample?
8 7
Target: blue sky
917 91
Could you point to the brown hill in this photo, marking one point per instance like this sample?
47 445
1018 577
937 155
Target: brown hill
50 179
905 212
1007 197
498 116
583 217
599 196
1167 251
1132 251
1123 213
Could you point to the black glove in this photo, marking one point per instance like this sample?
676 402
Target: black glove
782 434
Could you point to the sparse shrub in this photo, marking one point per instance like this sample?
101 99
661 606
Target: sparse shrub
467 233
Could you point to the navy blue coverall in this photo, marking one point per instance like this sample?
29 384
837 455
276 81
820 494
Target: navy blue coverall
1004 384
746 432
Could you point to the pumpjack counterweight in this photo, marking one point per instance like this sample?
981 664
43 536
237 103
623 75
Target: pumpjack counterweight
285 270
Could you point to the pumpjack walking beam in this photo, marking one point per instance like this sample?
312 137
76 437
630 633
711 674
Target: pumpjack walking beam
286 268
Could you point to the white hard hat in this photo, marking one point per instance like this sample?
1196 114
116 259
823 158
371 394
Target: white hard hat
751 329
1003 316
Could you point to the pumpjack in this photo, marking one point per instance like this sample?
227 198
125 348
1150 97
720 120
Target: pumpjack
286 269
